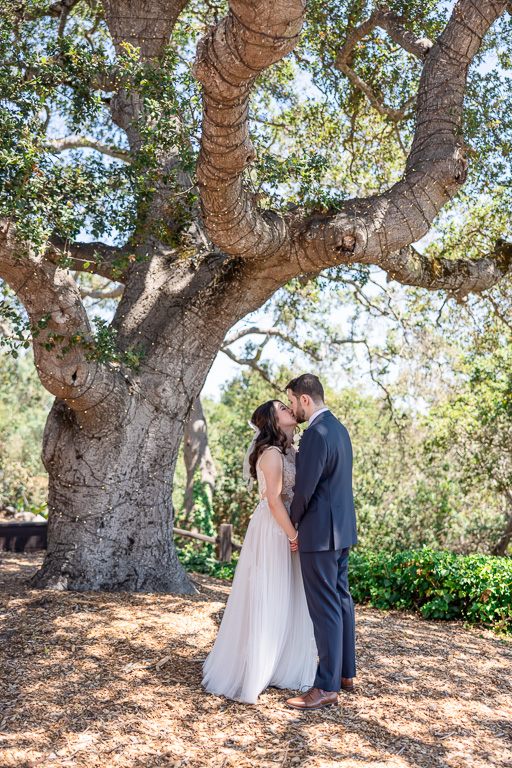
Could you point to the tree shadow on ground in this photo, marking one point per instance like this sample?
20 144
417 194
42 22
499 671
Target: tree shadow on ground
114 679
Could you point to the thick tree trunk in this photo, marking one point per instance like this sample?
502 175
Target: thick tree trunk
111 474
111 514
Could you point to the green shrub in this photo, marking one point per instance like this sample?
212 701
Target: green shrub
24 407
440 585
203 561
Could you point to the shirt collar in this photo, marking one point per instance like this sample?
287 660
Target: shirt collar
316 413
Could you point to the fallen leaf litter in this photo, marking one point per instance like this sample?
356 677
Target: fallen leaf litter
94 680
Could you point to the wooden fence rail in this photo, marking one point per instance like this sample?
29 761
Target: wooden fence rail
226 545
30 537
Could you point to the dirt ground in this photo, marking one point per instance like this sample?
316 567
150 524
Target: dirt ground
95 680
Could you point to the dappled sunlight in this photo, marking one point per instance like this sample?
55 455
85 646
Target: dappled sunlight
114 679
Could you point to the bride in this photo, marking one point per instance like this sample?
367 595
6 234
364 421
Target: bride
266 634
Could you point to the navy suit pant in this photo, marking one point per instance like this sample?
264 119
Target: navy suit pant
325 576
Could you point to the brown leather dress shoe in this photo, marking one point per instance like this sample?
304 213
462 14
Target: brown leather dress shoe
347 685
315 698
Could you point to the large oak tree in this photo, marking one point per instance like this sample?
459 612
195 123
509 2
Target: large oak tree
197 248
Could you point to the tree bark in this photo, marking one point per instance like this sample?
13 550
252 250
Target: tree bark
113 435
110 503
111 479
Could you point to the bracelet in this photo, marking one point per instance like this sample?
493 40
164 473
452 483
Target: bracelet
294 538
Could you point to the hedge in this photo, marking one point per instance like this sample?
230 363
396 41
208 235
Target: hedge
440 585
203 561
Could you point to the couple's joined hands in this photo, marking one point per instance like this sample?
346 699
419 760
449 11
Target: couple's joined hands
294 544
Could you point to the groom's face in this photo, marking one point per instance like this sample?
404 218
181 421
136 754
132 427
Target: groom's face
296 407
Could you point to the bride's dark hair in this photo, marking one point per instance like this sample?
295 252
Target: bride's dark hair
265 418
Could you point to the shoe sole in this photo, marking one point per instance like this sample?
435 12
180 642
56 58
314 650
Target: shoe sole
310 709
348 689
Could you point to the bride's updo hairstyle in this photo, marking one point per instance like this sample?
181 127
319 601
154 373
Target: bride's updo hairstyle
265 419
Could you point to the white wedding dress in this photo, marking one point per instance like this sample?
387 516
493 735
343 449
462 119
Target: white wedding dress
266 635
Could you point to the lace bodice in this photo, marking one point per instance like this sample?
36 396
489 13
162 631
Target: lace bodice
288 473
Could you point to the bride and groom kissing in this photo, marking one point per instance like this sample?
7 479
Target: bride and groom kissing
289 619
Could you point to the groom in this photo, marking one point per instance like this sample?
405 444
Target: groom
323 513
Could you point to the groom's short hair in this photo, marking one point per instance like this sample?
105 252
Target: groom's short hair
307 384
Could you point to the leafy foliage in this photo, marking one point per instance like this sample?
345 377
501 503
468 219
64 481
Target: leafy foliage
202 513
440 585
24 407
475 423
409 493
204 561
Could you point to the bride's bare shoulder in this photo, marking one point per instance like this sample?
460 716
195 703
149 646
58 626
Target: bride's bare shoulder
271 456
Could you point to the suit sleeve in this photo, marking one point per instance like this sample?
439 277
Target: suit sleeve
312 458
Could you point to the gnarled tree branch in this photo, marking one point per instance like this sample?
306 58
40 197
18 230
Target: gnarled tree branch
253 362
457 276
62 333
248 41
96 258
392 23
89 293
370 231
56 10
394 114
56 146
273 332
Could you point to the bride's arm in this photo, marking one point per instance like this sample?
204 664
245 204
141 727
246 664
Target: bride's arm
271 465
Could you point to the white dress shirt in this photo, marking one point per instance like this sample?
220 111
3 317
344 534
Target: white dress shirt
315 414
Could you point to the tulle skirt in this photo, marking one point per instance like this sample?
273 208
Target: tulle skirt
266 635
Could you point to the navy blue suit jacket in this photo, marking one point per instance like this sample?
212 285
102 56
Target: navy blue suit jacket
323 504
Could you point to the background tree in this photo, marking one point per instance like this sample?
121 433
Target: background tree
24 407
298 321
473 421
409 491
115 79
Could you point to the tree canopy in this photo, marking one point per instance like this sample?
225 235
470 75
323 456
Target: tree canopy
187 160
